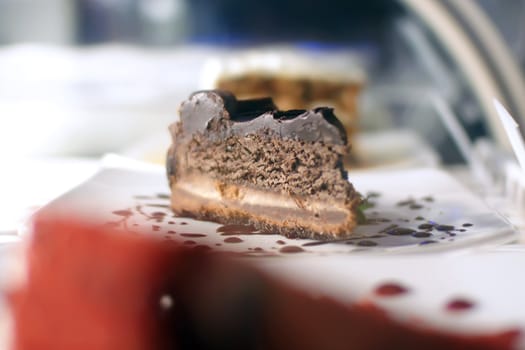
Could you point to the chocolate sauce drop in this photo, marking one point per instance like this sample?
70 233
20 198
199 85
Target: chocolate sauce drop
462 230
426 227
415 206
390 290
125 212
171 232
171 222
227 230
258 249
366 243
467 224
183 223
155 227
342 240
400 231
143 197
388 228
419 218
202 247
370 221
422 234
163 196
428 242
444 227
459 305
428 199
233 240
291 249
158 215
193 235
166 206
280 242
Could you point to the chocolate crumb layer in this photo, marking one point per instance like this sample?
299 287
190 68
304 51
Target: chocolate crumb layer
261 161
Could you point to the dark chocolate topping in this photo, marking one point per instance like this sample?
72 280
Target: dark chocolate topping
222 115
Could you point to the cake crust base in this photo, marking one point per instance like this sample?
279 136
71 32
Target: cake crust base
293 217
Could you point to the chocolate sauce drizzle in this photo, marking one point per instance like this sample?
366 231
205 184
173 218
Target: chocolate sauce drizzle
229 230
291 249
233 240
193 235
417 231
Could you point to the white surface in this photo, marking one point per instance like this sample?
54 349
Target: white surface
91 100
471 267
29 183
490 279
395 148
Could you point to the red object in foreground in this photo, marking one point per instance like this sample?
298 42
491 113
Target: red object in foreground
95 288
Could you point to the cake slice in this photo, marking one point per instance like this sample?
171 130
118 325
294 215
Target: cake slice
245 162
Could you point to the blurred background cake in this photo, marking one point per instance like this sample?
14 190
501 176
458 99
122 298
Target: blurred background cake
295 79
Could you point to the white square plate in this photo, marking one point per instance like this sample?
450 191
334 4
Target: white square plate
482 276
405 201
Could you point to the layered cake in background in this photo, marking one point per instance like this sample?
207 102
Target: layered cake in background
295 80
89 287
244 162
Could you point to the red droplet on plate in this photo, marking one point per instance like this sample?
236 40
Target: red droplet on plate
459 305
390 289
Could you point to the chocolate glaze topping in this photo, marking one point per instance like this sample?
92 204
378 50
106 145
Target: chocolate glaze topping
222 115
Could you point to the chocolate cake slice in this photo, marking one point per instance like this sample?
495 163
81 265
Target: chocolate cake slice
245 162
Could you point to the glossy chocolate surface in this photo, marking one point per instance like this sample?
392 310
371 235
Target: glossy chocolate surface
221 115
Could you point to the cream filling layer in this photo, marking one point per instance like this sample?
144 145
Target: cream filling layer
239 195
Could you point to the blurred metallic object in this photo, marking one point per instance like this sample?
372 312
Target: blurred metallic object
507 16
474 44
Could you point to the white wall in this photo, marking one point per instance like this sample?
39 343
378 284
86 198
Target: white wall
47 21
